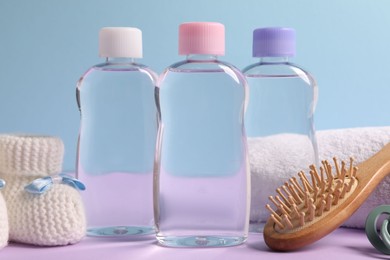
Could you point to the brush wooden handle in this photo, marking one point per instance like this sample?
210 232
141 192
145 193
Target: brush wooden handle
371 173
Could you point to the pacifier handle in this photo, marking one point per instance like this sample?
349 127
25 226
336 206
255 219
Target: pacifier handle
381 240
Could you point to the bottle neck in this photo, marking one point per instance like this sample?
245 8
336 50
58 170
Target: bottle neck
284 59
202 57
119 60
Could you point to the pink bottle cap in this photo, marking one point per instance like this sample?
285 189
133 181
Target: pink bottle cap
202 38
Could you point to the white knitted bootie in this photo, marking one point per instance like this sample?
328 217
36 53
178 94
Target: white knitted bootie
3 219
55 217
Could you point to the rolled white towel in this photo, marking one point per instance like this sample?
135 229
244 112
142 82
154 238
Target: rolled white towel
270 168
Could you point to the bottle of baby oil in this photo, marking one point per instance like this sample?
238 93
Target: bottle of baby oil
201 187
117 137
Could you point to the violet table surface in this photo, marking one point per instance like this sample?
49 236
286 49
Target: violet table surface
341 244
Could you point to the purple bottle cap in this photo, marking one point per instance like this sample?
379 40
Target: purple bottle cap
273 42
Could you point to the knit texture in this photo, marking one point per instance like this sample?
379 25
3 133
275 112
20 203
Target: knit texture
272 167
29 155
4 227
54 218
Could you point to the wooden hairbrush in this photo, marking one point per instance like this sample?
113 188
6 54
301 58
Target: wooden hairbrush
310 207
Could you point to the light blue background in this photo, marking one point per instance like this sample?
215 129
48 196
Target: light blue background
46 45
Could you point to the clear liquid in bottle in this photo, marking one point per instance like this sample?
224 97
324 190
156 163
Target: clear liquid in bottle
117 140
202 177
280 115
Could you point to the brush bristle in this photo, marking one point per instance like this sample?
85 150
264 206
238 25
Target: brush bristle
299 203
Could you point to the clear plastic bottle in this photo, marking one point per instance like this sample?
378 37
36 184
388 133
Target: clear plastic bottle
283 96
202 178
117 137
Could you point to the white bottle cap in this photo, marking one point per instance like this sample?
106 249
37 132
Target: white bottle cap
120 42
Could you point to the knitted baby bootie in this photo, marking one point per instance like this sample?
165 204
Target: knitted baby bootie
3 219
55 217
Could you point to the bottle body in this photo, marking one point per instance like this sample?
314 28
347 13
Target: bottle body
201 188
280 112
116 147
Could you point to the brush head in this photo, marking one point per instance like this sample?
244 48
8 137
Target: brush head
303 202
